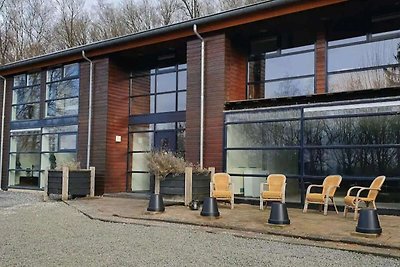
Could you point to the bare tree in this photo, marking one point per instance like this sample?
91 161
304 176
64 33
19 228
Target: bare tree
168 11
73 26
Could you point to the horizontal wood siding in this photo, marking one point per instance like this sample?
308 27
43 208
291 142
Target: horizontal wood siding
99 119
236 65
117 124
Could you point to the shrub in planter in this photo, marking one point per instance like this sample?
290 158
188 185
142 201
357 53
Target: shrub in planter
169 172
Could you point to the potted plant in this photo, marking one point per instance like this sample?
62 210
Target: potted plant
78 179
169 175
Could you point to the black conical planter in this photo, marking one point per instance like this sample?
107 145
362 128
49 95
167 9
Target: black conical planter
368 222
279 214
156 203
210 207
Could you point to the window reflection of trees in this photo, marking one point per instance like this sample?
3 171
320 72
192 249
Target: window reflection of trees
362 132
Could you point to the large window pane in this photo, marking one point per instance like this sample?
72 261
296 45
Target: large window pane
361 80
67 141
181 101
26 95
263 115
25 143
263 161
71 70
166 103
25 112
166 82
140 181
264 134
289 66
182 80
64 107
363 55
63 89
361 162
25 161
57 160
142 141
139 162
292 87
371 130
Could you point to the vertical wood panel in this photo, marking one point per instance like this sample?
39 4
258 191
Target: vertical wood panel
7 119
117 124
320 70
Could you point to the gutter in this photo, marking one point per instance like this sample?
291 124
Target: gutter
2 128
185 25
89 140
201 95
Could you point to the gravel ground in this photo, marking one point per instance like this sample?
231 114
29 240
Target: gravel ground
54 234
12 198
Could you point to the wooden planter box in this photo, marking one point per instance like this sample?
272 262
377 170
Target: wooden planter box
66 182
186 187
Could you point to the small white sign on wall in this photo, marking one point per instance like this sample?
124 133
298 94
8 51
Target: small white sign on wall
118 139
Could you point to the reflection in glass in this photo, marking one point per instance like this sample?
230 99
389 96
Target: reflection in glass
69 88
71 70
166 82
33 79
26 95
25 143
19 80
182 80
54 75
140 161
67 141
166 103
55 160
264 161
263 134
25 112
142 141
291 87
362 80
140 181
289 66
181 101
363 55
64 107
359 162
263 115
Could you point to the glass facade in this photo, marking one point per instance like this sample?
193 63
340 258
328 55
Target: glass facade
281 72
358 141
152 93
62 91
32 150
26 97
158 90
364 62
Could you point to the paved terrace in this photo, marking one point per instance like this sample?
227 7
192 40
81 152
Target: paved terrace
333 230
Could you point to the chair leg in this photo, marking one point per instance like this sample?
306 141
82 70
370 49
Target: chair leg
356 210
373 204
326 206
305 207
334 204
232 203
261 204
345 211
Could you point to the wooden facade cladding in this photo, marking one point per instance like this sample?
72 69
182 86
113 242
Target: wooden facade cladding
320 63
117 124
7 120
99 119
225 80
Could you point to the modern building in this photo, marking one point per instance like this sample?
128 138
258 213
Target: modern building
303 88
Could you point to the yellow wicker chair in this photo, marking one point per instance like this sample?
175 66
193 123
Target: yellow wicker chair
276 184
329 186
221 188
352 202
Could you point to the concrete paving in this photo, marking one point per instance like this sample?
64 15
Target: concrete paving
331 231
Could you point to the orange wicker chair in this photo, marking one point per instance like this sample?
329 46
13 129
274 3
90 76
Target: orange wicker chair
221 188
329 186
352 202
276 184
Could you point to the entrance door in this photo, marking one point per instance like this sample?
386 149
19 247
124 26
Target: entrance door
165 140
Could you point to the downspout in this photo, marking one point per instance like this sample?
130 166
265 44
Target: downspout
2 128
89 140
201 95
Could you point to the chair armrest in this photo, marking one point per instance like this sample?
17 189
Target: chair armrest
352 188
310 186
364 189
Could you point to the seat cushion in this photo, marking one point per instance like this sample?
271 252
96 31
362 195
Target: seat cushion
315 197
222 194
271 195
